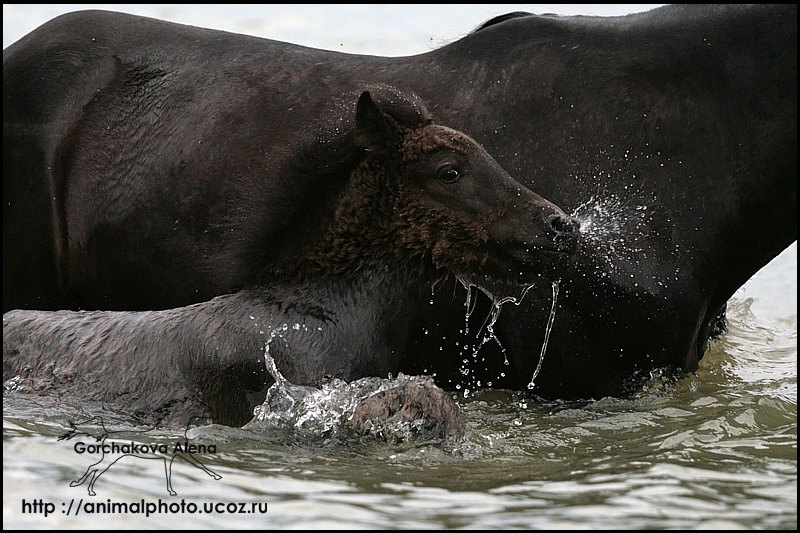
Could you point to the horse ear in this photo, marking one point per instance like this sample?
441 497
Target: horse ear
374 128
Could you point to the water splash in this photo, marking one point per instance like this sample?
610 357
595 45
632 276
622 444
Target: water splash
318 412
547 331
272 368
283 395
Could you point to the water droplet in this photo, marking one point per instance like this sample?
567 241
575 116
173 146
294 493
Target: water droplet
549 327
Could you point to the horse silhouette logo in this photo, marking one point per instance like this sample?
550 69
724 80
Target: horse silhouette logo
111 447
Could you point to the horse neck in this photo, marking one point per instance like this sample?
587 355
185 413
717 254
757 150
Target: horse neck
357 228
359 300
356 264
381 284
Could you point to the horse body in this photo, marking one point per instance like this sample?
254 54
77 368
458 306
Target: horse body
675 130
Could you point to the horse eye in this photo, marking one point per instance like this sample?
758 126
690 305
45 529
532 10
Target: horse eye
449 174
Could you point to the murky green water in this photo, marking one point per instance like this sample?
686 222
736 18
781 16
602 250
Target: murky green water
716 449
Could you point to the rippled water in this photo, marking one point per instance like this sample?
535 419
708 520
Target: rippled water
715 449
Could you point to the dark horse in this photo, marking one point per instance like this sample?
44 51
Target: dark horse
671 133
398 202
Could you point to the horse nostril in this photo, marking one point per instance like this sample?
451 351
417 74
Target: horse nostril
561 224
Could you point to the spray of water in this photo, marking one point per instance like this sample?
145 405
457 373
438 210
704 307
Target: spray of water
614 226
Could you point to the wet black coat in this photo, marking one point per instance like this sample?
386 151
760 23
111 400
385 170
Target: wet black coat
677 126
